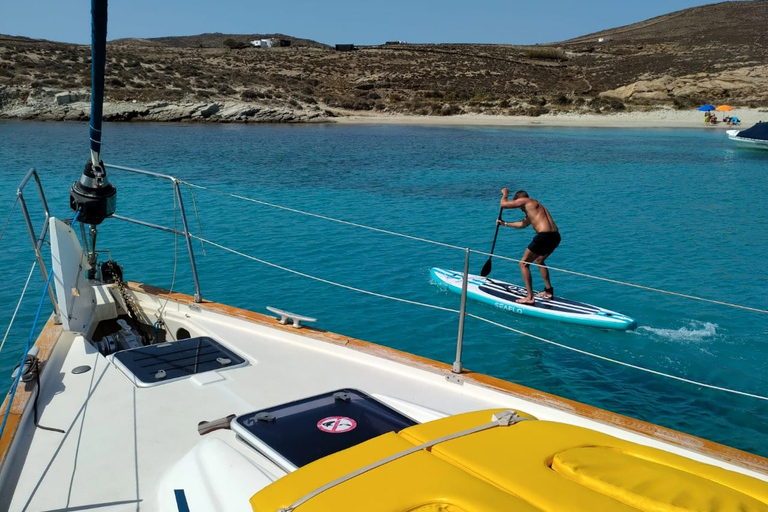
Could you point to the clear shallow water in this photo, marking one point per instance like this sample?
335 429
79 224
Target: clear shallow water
679 210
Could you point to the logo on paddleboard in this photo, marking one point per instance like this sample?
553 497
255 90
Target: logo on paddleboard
508 307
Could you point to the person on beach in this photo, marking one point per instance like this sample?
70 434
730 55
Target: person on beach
544 243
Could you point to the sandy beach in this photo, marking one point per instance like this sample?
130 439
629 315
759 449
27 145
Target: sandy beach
662 118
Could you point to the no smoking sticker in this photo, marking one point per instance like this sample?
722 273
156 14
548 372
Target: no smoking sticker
336 424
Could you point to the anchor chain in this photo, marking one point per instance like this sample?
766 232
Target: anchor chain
111 272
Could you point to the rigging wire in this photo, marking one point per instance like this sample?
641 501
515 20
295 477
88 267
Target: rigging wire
8 220
325 217
450 246
643 287
197 214
491 322
18 305
615 361
175 257
315 278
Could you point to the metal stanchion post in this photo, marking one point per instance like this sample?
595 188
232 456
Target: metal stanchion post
462 313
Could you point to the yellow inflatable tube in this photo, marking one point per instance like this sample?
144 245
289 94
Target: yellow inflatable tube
526 466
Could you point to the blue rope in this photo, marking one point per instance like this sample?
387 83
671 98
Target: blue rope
24 357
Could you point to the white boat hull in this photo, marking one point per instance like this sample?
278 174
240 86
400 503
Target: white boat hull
746 142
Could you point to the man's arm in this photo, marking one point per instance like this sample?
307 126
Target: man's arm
511 203
517 224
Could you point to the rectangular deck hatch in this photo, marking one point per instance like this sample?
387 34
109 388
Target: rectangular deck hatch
157 364
297 433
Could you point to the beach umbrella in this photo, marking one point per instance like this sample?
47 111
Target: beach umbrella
706 108
724 107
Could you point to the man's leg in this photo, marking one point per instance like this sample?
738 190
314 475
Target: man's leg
545 276
525 269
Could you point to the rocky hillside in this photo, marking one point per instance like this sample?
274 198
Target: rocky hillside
712 54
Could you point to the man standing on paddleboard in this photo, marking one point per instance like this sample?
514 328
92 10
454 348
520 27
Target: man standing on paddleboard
544 243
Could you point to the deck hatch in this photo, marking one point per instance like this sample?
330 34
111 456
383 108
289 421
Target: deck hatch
297 433
157 364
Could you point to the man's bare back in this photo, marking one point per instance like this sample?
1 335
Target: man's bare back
536 214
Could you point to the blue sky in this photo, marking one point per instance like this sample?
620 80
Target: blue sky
334 21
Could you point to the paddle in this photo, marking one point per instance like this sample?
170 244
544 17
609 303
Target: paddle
487 267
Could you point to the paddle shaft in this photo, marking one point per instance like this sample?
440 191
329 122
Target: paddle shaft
493 245
487 267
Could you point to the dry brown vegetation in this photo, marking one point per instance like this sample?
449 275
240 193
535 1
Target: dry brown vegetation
443 79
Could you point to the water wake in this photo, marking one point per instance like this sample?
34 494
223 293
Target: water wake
695 331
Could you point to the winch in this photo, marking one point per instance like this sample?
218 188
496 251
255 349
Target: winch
123 339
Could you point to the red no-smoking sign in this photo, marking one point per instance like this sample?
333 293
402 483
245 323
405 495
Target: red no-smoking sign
336 424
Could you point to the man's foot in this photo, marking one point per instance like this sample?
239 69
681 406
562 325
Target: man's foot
526 300
548 293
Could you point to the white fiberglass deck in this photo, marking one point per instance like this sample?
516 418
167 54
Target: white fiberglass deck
119 454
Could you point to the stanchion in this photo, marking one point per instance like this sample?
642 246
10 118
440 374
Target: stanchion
462 312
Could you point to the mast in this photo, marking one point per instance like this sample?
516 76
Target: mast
98 66
92 196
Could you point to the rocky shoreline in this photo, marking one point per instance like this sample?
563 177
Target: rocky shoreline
52 105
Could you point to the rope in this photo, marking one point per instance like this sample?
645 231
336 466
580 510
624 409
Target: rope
320 279
161 311
504 419
491 322
450 246
13 209
197 215
18 305
16 381
621 363
324 217
640 286
175 246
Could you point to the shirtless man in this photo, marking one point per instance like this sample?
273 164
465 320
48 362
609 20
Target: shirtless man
546 240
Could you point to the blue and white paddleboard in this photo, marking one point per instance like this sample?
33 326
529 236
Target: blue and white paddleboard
503 296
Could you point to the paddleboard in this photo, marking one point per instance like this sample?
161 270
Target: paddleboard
503 296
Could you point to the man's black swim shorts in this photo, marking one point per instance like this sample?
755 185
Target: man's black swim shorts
544 243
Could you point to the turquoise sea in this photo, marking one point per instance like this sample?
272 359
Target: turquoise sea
644 210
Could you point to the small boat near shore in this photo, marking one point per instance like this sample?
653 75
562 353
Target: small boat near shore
755 137
136 398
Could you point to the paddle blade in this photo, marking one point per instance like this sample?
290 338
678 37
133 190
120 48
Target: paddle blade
486 268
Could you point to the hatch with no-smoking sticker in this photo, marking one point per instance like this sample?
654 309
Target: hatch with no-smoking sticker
296 433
